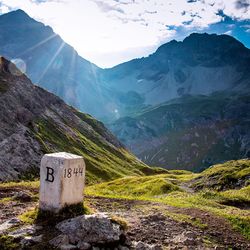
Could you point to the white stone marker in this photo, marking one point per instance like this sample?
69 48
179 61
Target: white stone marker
62 177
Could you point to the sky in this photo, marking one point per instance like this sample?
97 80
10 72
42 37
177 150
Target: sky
109 32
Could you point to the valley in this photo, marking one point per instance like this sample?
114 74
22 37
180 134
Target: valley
191 132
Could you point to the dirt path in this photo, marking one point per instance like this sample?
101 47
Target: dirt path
150 222
156 223
14 207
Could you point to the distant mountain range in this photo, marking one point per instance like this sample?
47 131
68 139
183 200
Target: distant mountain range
184 106
34 121
200 65
191 103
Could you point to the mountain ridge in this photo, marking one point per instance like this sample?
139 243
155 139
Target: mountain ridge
102 92
206 65
34 122
50 62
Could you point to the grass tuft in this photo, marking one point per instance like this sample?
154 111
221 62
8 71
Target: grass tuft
36 215
8 243
122 222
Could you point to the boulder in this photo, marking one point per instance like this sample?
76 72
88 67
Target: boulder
60 240
31 240
25 231
83 246
87 231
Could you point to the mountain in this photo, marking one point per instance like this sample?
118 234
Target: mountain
199 65
192 132
187 104
34 121
51 63
150 103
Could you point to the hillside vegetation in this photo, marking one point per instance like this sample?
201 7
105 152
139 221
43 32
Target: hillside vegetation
175 189
103 160
35 122
152 204
229 175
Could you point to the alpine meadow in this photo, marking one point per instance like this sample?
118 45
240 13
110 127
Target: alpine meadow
124 124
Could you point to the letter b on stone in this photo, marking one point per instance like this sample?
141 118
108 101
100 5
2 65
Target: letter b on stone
50 174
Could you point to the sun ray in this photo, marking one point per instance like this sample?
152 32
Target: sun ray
37 45
96 82
52 60
72 63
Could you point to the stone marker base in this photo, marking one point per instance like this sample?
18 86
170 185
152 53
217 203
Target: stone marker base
69 211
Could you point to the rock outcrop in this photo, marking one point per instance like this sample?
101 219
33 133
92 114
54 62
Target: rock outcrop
89 231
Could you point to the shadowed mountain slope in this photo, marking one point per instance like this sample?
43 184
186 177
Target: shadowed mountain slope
34 121
200 64
51 63
191 132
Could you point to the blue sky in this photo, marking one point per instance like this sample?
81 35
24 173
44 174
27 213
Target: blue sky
108 32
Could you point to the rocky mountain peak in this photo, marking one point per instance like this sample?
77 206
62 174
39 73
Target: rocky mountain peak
18 16
210 44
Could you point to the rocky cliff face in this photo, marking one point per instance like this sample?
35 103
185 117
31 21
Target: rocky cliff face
201 64
34 121
190 132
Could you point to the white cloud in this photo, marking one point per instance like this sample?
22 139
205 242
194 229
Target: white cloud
238 9
99 28
4 9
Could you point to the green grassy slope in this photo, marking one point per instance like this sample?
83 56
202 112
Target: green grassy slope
42 123
136 186
229 175
104 161
174 189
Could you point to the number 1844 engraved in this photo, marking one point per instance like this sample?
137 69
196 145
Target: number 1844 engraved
69 172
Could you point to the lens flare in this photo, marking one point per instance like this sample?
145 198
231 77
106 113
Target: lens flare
17 67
